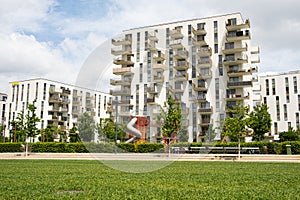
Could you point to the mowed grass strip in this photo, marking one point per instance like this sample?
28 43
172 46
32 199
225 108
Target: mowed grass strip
67 179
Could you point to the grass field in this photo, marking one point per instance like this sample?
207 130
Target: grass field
62 179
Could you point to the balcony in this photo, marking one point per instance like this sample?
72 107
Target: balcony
198 42
200 98
76 103
255 59
179 88
125 103
124 113
152 47
181 77
206 63
204 51
238 36
176 44
152 90
76 111
121 61
198 31
122 71
159 56
181 54
234 49
236 61
109 109
181 65
118 52
204 123
200 87
176 34
205 110
158 79
55 91
236 97
239 84
159 67
255 50
89 105
235 27
152 37
124 41
120 82
237 73
205 75
151 101
122 92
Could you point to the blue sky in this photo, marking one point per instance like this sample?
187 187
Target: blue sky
53 38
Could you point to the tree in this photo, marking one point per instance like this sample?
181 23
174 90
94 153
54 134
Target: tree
235 124
86 127
31 121
290 135
171 115
74 135
107 129
260 121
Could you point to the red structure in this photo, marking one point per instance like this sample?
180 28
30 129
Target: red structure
141 124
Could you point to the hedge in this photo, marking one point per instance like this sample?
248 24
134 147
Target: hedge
186 144
149 147
11 147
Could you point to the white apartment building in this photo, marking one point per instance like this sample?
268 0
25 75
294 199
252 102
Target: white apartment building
57 103
3 98
206 64
281 93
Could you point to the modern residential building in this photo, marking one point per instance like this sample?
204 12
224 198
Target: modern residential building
206 64
3 98
58 104
281 93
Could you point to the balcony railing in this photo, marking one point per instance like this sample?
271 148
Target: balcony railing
120 92
122 61
159 67
201 31
236 61
238 36
159 56
181 54
238 84
123 70
228 49
124 41
181 65
176 44
204 51
118 52
158 78
207 110
176 34
234 27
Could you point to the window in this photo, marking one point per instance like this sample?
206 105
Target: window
215 25
215 37
285 112
297 120
200 26
141 72
267 87
217 86
216 48
295 84
275 128
273 87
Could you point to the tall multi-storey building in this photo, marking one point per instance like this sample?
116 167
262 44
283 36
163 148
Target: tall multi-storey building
281 93
3 98
205 64
58 104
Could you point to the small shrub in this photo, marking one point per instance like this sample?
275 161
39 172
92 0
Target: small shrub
149 147
11 147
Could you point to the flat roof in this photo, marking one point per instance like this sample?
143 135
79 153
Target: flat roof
181 21
67 84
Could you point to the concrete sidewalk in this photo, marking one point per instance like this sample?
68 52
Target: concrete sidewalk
155 157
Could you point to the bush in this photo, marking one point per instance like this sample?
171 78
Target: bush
127 147
11 147
149 147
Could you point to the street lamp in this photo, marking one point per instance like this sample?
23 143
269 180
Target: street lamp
117 119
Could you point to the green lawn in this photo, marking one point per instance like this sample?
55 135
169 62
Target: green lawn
61 179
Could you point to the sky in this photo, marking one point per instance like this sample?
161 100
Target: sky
53 38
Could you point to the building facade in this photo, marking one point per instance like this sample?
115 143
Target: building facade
281 93
58 104
207 65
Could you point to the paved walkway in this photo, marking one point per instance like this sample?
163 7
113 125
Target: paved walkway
155 157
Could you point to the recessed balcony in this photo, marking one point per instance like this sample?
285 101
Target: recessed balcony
181 77
152 90
152 47
238 36
152 37
236 61
159 56
199 98
122 71
207 110
204 75
237 73
236 97
200 87
181 54
118 52
234 27
227 49
239 84
199 31
204 63
124 41
158 79
151 101
181 65
176 34
204 51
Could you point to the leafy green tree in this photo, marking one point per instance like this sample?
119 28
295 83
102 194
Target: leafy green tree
235 124
107 129
172 118
182 134
260 121
86 127
18 131
290 135
74 136
31 121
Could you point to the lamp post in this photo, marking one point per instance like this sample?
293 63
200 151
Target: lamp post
117 119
